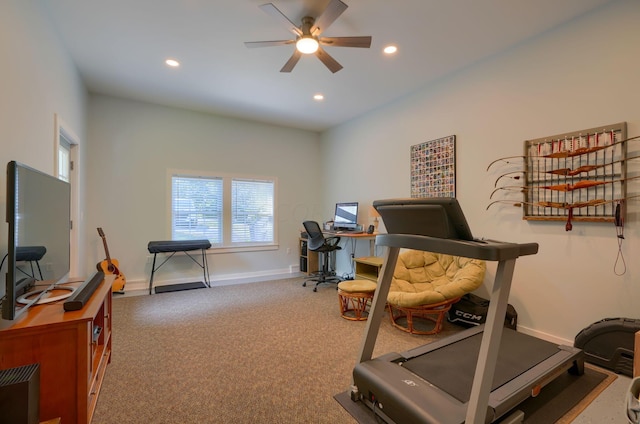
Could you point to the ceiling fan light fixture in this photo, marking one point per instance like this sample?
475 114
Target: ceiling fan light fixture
307 44
308 36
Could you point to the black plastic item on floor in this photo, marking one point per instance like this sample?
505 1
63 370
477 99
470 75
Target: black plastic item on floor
472 310
180 287
609 343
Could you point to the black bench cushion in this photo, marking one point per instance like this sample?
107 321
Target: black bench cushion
30 253
177 245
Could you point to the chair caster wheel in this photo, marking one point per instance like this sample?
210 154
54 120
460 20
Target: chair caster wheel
304 284
315 289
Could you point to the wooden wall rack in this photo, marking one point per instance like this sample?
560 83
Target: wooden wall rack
579 176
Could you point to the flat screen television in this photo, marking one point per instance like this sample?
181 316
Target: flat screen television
346 216
38 243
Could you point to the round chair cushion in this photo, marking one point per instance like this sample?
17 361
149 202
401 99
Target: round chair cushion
423 278
357 286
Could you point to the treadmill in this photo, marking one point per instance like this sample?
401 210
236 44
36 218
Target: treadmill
479 375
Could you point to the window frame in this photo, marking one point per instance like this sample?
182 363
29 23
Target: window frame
227 178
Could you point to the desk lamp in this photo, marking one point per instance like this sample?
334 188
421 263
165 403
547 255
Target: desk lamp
373 213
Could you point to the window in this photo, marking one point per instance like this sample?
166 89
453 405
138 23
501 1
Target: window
229 211
196 208
251 211
66 147
64 158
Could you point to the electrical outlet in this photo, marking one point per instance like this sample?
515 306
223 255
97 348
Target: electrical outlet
288 250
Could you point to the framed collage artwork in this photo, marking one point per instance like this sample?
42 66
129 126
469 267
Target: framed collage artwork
433 168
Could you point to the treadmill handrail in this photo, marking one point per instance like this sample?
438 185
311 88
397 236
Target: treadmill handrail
488 250
506 255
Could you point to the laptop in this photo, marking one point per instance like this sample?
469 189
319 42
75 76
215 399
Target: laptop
439 217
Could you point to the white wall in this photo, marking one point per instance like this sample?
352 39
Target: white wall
131 147
37 81
580 76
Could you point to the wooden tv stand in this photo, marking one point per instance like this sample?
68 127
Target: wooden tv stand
72 348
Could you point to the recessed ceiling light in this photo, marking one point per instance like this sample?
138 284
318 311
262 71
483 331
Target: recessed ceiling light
318 97
390 49
172 62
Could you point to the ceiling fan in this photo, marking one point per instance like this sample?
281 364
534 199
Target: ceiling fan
308 40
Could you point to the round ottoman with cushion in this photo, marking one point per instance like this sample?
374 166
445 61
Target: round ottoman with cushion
355 297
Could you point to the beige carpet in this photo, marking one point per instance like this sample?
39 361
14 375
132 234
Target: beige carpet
272 352
263 352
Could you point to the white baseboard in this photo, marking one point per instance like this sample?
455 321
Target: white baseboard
545 336
217 280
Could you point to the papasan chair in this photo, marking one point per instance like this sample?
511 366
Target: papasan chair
425 285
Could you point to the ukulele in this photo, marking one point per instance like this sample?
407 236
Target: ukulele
110 266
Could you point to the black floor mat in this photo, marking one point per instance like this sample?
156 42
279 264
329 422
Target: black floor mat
180 287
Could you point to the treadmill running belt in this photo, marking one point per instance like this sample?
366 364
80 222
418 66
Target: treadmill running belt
452 367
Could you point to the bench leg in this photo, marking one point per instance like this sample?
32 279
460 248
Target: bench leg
153 270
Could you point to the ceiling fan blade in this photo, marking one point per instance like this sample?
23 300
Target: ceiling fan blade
328 61
276 13
293 60
253 44
364 42
330 14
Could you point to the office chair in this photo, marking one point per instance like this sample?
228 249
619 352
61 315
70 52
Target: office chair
324 246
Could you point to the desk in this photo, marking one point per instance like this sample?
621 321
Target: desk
350 245
354 237
309 259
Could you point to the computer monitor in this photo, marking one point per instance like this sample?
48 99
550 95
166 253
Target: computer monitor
346 216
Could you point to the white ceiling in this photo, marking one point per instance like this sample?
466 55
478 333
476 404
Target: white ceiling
119 47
